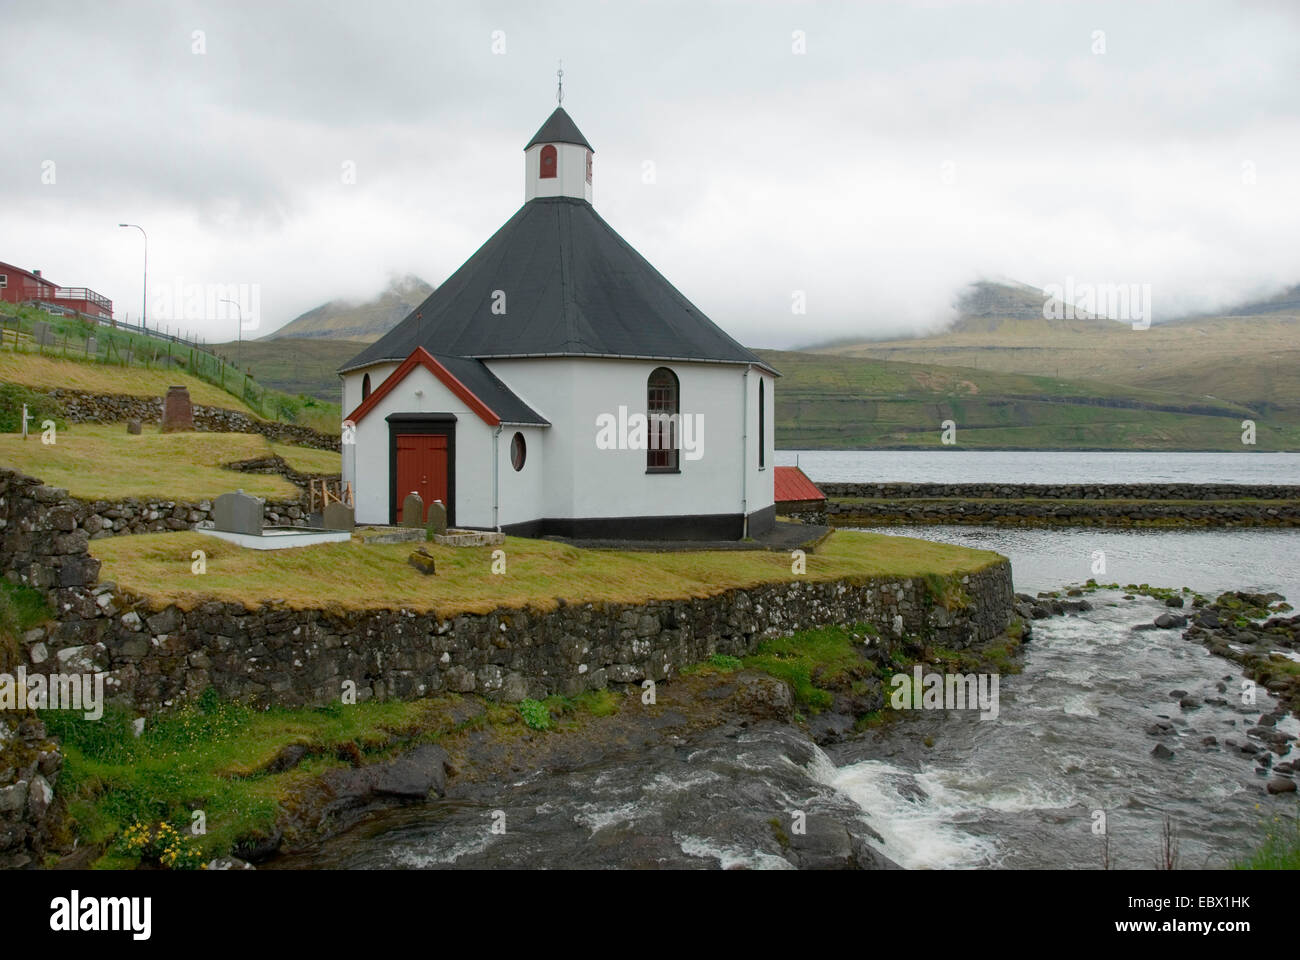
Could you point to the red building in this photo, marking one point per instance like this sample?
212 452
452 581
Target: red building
18 285
28 286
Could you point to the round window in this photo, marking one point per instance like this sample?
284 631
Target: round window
518 451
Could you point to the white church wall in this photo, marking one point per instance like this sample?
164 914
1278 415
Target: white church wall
521 492
422 392
582 480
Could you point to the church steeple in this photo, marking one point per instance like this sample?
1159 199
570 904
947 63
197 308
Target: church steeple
557 161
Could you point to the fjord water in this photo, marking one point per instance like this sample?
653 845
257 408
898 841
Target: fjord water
1018 791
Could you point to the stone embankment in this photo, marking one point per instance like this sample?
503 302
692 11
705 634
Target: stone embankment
1126 504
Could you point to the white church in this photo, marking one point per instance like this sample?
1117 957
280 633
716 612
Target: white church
557 384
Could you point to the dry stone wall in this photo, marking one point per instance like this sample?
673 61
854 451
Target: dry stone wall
272 654
115 408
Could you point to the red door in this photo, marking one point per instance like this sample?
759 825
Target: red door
421 467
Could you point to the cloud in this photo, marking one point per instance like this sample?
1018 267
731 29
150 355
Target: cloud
910 150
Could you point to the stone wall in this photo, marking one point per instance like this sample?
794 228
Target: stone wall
44 531
115 408
1062 491
276 655
1209 513
30 763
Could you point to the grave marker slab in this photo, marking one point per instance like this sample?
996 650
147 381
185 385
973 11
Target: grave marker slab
413 510
338 516
237 513
178 411
134 426
437 520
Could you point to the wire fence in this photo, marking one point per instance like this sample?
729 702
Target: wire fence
127 345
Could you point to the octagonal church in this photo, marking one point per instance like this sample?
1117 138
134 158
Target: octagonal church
558 384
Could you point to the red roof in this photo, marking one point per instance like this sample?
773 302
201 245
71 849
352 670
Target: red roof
793 484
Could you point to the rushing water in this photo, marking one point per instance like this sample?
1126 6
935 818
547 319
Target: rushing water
998 466
1021 790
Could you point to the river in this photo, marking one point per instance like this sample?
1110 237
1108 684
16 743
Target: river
1019 791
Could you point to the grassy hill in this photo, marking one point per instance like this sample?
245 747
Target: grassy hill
297 366
366 322
136 364
846 402
1250 355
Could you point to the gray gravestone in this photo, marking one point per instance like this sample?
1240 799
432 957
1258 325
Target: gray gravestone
237 513
41 333
413 510
437 518
92 347
338 516
133 426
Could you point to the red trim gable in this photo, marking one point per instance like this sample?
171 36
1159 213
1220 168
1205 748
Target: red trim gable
422 358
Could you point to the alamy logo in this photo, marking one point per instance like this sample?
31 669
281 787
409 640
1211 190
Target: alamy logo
946 691
58 691
655 431
73 913
1116 301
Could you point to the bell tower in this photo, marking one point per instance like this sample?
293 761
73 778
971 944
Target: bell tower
557 161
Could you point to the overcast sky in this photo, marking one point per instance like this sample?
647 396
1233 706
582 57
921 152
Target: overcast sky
910 149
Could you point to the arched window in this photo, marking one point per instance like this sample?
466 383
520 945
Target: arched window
518 452
548 162
762 424
365 386
662 411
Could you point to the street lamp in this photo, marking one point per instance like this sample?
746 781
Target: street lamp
144 298
239 354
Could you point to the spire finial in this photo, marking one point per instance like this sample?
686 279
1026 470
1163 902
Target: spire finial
559 88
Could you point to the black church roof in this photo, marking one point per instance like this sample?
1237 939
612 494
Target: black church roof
571 286
560 128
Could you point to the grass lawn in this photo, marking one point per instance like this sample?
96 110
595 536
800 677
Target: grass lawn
357 575
104 462
46 373
309 459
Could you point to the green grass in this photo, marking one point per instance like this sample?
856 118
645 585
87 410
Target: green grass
365 575
104 462
212 755
1280 849
811 658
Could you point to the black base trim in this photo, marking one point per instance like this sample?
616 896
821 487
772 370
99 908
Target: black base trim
714 526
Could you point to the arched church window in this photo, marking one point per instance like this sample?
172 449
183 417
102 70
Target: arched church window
762 425
662 409
365 386
548 162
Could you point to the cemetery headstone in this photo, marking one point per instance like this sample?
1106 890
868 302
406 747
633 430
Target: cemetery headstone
338 516
92 346
413 510
437 521
237 513
41 333
134 426
178 412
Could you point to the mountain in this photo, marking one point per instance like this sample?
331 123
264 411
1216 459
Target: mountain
1248 354
840 402
363 322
